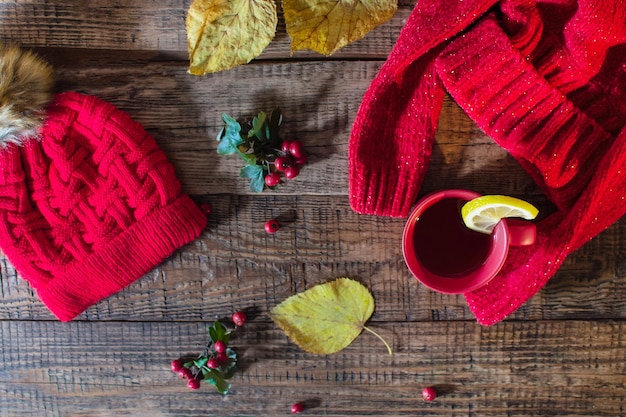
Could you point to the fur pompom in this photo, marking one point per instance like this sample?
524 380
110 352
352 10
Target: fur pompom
26 82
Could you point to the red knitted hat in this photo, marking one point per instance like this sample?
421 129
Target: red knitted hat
88 202
545 79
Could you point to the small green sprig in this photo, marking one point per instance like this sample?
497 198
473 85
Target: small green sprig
215 365
257 143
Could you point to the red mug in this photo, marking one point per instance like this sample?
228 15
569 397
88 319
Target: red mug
445 255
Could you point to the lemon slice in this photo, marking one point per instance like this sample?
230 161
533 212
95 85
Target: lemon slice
483 213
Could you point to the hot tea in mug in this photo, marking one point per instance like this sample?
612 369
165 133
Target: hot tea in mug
447 256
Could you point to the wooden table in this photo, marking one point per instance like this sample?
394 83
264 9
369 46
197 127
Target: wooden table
563 353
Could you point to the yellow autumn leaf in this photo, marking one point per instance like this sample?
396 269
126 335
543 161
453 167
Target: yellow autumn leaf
327 317
326 26
222 34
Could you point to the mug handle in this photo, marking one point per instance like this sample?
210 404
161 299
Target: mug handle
521 232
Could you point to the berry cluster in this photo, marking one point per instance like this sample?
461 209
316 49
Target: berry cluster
288 162
268 158
217 364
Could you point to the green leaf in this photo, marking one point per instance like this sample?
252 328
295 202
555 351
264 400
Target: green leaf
200 362
230 372
219 332
249 158
257 185
273 125
230 353
229 137
276 118
231 123
216 379
258 127
256 175
267 131
230 366
226 148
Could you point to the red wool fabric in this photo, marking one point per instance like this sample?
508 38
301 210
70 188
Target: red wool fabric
90 206
545 79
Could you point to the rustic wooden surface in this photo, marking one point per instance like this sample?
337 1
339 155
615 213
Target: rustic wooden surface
562 354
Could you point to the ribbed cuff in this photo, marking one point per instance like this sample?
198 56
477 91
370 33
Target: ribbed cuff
381 191
127 257
391 140
393 133
557 144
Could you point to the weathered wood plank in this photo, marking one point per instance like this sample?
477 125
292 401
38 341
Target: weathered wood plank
117 369
156 29
236 263
561 354
184 115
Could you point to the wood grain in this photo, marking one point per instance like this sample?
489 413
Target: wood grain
235 264
122 368
154 26
184 115
561 354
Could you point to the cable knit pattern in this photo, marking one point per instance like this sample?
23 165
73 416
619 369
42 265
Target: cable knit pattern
545 79
510 101
91 206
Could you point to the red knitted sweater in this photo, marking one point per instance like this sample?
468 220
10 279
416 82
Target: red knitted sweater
546 80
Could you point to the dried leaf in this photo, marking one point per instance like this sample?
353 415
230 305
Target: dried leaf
327 317
222 34
326 26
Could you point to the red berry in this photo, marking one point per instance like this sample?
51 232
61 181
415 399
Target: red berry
185 373
281 162
239 318
221 357
302 160
193 383
220 346
297 408
213 363
177 365
296 149
285 145
206 208
292 172
272 179
271 226
429 394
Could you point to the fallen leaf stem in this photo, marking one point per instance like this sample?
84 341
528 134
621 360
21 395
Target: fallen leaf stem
381 338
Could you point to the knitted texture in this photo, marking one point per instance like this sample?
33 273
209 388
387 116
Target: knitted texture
557 143
394 130
528 269
90 206
547 81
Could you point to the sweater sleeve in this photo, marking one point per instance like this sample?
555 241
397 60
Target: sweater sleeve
391 140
